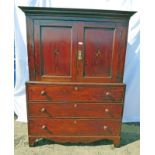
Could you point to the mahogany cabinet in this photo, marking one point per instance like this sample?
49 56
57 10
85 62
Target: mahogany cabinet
76 57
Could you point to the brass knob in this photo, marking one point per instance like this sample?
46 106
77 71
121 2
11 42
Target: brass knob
75 105
44 127
43 110
105 127
106 110
107 93
76 88
75 121
43 92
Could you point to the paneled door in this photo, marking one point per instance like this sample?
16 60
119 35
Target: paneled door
79 51
55 46
99 53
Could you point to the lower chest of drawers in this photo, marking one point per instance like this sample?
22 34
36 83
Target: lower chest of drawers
76 118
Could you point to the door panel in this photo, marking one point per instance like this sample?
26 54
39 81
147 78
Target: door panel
98 52
55 50
103 50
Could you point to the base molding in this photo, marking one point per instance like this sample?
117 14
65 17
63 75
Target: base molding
75 139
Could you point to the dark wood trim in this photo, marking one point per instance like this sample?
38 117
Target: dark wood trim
74 83
75 139
43 11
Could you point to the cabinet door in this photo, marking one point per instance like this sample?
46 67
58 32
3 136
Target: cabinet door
54 44
101 52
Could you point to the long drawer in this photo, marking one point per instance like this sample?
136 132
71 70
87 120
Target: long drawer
75 92
68 127
77 110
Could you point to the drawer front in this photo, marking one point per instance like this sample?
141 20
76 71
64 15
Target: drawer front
75 93
87 110
68 127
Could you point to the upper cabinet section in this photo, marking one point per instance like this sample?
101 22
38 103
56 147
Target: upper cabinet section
82 45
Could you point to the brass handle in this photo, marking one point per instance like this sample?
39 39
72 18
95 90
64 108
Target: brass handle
44 127
107 93
105 127
75 105
79 55
106 110
43 92
43 110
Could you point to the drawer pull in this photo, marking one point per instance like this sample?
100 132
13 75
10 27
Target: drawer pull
76 88
43 110
106 110
75 105
105 127
44 127
109 96
43 92
107 93
75 122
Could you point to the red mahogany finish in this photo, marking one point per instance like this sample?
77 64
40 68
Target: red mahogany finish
75 127
75 92
75 110
76 62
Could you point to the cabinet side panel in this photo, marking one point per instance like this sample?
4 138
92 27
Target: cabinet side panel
30 48
121 53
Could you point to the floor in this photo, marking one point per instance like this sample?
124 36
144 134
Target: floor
130 144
